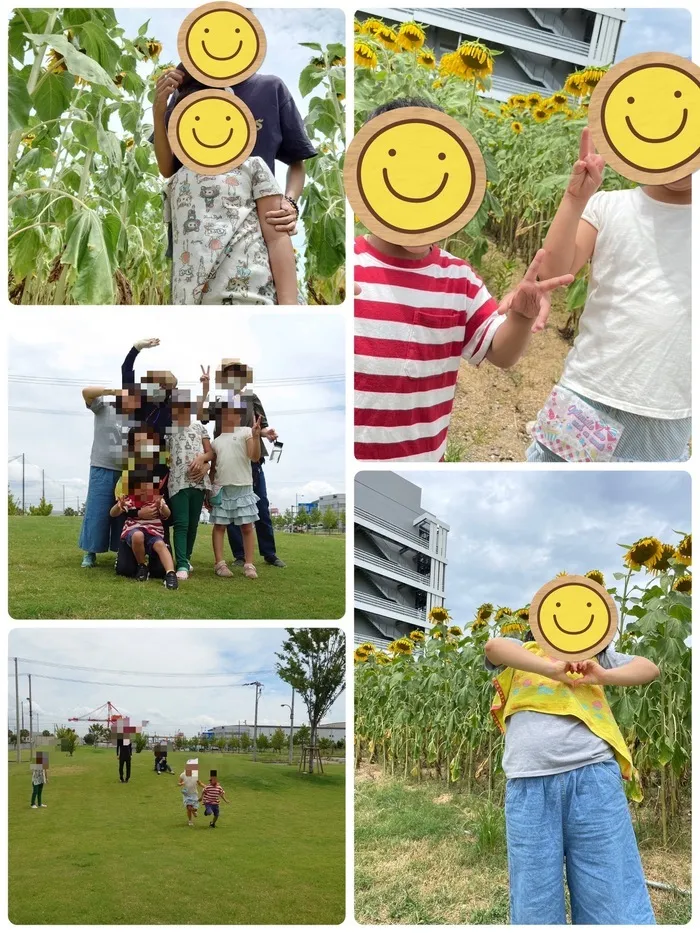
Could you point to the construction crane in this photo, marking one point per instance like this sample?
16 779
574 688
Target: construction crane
110 716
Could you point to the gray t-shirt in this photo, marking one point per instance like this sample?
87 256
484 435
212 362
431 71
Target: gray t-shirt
107 440
542 743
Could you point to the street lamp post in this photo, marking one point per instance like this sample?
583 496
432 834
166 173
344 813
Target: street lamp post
291 728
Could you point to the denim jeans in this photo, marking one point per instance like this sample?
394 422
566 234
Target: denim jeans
263 526
580 819
100 533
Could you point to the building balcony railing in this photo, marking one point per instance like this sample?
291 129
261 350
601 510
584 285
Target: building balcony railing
376 640
388 608
394 532
391 568
485 26
503 88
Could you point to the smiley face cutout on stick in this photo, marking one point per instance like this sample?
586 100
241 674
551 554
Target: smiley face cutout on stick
414 175
644 117
221 44
573 618
211 131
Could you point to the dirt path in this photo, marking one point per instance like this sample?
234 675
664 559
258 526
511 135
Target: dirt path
492 406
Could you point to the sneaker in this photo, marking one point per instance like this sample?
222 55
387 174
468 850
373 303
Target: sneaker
43 805
142 573
213 825
170 582
221 570
182 575
190 823
34 807
89 560
276 562
238 562
190 567
250 571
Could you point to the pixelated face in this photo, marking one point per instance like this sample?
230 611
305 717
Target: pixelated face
230 418
182 413
221 44
129 400
146 490
212 132
233 375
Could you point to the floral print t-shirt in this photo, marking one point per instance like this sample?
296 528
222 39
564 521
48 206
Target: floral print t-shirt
184 444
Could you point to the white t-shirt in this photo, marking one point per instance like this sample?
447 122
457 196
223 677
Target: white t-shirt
632 351
189 782
232 461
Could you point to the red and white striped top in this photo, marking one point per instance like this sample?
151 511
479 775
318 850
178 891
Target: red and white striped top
414 321
212 793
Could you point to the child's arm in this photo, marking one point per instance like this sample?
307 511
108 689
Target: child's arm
165 86
224 797
638 671
163 509
197 468
253 443
570 241
281 251
526 306
201 399
505 653
118 508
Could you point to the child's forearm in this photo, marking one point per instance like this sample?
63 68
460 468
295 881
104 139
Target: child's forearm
510 341
284 273
161 144
506 653
115 510
254 450
636 672
560 241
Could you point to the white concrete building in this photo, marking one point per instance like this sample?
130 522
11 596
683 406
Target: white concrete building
540 46
400 558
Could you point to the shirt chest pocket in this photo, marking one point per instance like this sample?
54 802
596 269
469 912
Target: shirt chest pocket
435 344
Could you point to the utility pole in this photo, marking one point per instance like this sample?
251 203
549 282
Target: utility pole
24 510
21 703
19 750
291 728
42 485
64 498
31 733
258 690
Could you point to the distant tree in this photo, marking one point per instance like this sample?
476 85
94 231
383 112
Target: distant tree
315 516
245 741
23 734
68 738
341 519
12 738
46 733
262 742
234 743
44 508
140 742
205 741
330 519
340 743
81 510
325 744
179 742
302 735
97 730
13 506
302 519
69 512
313 663
89 738
278 740
220 743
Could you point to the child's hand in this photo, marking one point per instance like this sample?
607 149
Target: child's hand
593 673
166 84
559 671
197 468
530 298
587 174
257 426
204 378
358 290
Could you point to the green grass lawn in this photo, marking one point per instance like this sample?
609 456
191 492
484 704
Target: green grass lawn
428 855
105 852
46 580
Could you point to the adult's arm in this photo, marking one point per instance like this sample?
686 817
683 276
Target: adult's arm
166 85
128 377
90 393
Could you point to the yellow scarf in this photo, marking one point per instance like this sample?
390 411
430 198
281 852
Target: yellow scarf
520 690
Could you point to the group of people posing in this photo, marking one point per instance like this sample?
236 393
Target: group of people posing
154 467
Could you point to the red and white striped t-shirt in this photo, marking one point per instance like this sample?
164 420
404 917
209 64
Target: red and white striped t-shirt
212 793
414 321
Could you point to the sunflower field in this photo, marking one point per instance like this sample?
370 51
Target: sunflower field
85 206
422 708
529 143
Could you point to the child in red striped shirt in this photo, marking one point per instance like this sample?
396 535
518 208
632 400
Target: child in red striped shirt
421 310
145 535
212 793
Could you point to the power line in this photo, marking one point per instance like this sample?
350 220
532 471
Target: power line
103 683
108 670
81 414
64 381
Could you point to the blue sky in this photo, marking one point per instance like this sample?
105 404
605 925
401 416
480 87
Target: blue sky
655 30
233 655
511 532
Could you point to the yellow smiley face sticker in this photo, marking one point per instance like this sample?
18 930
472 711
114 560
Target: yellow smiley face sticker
211 132
644 117
573 618
414 175
221 44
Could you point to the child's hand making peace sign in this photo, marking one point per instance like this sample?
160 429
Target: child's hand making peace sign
587 173
531 299
257 427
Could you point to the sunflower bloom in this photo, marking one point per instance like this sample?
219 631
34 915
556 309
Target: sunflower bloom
365 56
28 139
534 99
590 78
541 115
438 614
478 624
357 26
522 614
436 631
153 49
574 84
402 646
454 630
129 143
517 127
410 37
512 628
437 84
484 612
56 64
517 101
563 573
382 658
596 576
503 611
684 584
360 656
476 58
367 646
370 27
645 552
560 99
668 553
119 79
684 551
387 37
426 59
417 637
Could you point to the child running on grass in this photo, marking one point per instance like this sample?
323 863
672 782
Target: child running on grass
419 312
189 782
185 441
40 776
564 760
212 793
145 535
630 363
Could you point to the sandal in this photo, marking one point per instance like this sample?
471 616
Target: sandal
221 569
250 571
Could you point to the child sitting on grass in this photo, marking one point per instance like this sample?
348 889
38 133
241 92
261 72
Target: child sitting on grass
419 312
631 359
212 793
145 535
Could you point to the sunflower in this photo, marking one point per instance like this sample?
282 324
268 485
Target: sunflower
417 637
534 99
410 37
505 110
387 37
522 614
548 104
684 584
476 58
28 139
382 658
503 611
478 624
160 70
436 631
541 115
426 58
56 64
437 84
574 85
357 26
517 102
684 551
153 49
129 143
439 614
512 628
365 57
560 99
597 576
119 79
367 646
360 656
454 630
402 646
668 553
484 612
645 552
451 65
371 26
590 78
